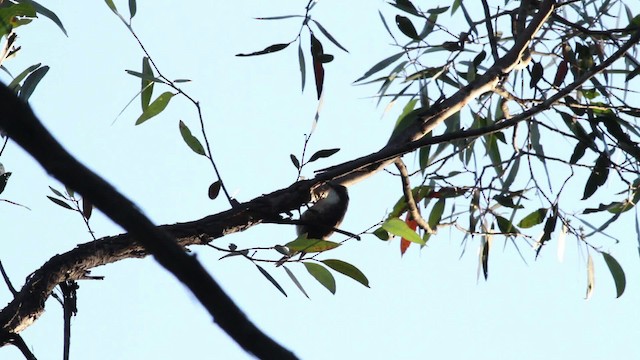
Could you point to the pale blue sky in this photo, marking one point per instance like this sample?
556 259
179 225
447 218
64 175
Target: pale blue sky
425 305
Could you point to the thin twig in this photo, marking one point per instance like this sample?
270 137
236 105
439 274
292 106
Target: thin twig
414 213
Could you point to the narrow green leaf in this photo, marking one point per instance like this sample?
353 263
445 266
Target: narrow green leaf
144 76
505 226
331 38
14 83
381 65
406 6
347 269
56 192
506 200
493 151
484 257
146 83
295 281
111 5
533 219
279 17
616 271
268 50
31 82
271 279
436 213
310 245
455 6
155 108
191 141
321 274
303 69
323 154
60 202
133 8
49 14
400 228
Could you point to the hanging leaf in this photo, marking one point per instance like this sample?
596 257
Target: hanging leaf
310 245
406 6
191 141
331 38
348 270
590 278
436 213
155 108
140 75
407 28
146 83
87 208
295 281
562 242
563 68
58 193
303 70
30 83
505 226
321 274
14 84
60 203
133 8
616 271
111 5
400 228
484 256
323 154
295 161
214 189
268 50
381 65
3 181
49 14
598 176
533 219
318 70
271 279
549 227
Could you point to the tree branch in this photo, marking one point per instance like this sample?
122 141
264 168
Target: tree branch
19 123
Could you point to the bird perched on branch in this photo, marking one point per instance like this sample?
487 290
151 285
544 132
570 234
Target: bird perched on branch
326 214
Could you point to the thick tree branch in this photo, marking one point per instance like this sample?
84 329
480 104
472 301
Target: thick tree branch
18 122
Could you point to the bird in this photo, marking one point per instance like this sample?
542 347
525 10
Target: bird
326 214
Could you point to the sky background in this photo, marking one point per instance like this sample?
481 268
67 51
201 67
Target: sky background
427 304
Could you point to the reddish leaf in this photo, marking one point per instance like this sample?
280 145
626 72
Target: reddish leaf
404 243
267 50
561 73
317 53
